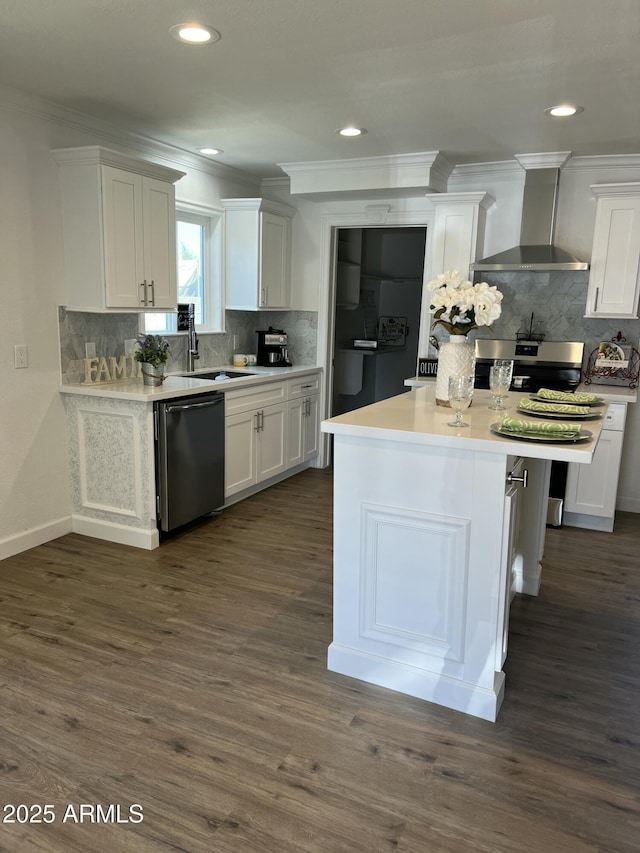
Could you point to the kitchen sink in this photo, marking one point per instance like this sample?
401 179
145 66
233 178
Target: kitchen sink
230 374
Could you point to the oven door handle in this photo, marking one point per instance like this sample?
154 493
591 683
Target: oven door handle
524 479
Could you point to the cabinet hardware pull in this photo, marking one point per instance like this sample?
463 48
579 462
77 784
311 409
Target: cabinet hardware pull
261 421
257 426
524 479
143 284
153 292
595 301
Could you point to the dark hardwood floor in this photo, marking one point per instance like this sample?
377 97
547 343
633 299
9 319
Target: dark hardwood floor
192 680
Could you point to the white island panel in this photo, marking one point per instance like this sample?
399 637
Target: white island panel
427 549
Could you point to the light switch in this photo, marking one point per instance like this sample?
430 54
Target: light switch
90 350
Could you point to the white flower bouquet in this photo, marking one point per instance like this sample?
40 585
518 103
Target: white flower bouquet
460 306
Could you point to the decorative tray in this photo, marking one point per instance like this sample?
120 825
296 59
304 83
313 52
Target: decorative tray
597 402
562 416
583 435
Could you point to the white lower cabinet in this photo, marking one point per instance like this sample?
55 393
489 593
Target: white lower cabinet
269 429
304 429
255 443
590 499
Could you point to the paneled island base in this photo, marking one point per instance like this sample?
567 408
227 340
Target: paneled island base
434 533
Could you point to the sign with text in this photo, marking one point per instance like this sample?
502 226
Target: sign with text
427 367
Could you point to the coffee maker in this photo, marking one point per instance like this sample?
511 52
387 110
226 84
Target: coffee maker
272 348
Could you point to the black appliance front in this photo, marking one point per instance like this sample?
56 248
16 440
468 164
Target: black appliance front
189 458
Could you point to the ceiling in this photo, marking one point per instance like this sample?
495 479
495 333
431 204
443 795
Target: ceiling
469 78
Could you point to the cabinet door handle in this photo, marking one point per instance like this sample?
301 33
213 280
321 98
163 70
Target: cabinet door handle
308 407
143 285
261 414
524 479
595 301
257 426
153 292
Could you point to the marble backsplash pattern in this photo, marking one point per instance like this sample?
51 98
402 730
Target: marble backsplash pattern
109 332
557 301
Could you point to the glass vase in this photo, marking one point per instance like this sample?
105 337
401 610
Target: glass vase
457 357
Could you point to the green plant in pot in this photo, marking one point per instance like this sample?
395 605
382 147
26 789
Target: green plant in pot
153 352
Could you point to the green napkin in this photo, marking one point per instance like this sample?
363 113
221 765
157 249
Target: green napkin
566 397
516 426
534 406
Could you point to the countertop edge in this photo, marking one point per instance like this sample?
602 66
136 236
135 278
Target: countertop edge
176 385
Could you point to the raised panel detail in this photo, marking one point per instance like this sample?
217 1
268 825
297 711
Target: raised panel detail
397 595
109 462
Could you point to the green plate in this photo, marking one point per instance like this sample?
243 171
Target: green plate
562 416
583 435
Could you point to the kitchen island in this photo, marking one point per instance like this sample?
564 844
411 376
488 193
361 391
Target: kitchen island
434 532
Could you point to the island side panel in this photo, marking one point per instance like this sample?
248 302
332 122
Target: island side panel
417 559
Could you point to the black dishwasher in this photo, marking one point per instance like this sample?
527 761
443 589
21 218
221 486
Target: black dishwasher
189 448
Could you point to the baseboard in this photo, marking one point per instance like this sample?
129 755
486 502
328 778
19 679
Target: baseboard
33 537
628 504
137 537
588 522
431 686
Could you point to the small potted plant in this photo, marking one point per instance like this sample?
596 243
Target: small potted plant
153 352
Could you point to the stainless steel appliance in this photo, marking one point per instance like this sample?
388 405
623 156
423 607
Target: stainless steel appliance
536 251
273 348
537 364
189 447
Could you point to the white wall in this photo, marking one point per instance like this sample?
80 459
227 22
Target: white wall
34 486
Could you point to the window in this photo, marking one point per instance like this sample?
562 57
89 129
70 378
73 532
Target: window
199 276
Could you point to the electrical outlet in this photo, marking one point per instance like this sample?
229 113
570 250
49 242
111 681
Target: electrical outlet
90 350
130 346
236 342
20 356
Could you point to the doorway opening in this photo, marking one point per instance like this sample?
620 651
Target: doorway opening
379 276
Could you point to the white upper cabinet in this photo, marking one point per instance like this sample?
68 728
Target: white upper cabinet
257 253
119 230
614 280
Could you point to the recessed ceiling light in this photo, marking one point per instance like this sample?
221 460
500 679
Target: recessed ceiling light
563 110
350 131
211 152
195 34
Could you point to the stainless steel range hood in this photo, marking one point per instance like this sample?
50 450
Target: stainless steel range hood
536 251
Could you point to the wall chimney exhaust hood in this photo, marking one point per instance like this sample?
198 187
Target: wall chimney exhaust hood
536 252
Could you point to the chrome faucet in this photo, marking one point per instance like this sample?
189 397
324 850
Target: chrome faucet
192 340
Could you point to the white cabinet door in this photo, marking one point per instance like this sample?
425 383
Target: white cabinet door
123 238
296 442
240 468
591 489
159 221
274 261
272 441
311 446
614 281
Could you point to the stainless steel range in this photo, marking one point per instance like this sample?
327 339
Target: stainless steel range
537 364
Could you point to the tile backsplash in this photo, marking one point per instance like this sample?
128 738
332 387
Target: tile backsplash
557 302
110 331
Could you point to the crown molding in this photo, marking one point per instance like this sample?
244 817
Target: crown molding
543 160
493 168
405 173
603 162
136 144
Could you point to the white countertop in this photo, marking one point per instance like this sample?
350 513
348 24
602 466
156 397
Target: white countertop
414 417
180 386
